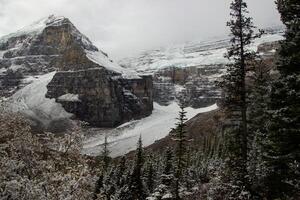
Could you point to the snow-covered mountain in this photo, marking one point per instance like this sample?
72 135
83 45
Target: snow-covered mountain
188 72
198 53
52 59
35 46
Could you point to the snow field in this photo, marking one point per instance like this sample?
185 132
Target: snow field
124 138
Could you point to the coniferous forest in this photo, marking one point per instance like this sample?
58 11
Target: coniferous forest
252 153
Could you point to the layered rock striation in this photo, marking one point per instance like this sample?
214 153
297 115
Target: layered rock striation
95 96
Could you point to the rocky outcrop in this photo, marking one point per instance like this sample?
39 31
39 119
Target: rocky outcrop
86 83
93 95
192 86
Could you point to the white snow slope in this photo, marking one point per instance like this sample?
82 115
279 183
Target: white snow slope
124 138
35 28
32 102
202 53
99 58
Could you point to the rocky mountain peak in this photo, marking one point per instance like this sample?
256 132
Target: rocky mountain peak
42 23
53 43
56 20
55 32
66 64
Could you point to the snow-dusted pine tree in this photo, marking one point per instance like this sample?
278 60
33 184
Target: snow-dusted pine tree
165 185
150 174
283 147
105 154
136 184
235 91
257 129
179 136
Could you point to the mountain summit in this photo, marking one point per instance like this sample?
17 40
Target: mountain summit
53 36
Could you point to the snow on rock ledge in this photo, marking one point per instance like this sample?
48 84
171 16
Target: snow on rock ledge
32 102
69 97
99 58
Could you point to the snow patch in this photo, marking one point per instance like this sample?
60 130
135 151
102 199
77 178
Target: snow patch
99 58
265 39
35 28
32 102
2 70
15 68
124 138
179 88
69 97
2 54
29 79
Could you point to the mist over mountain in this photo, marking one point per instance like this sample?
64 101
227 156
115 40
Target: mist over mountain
124 29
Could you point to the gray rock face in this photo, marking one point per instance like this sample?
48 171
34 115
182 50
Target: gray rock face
192 86
102 100
94 89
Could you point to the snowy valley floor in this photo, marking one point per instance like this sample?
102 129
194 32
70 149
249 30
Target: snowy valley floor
31 101
124 138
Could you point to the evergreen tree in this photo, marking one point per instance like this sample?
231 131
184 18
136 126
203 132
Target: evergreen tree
123 192
283 149
121 169
99 185
234 87
167 176
179 136
258 116
150 175
109 187
105 164
105 154
165 187
168 162
136 185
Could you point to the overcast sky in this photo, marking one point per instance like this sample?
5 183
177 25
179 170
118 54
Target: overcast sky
125 27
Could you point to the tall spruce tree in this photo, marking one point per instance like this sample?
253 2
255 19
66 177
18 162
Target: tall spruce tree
167 176
121 170
105 154
179 136
150 174
283 147
105 159
235 91
136 185
258 117
168 162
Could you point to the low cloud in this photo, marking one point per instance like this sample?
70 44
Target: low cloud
124 28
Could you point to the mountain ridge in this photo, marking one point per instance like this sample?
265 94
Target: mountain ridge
187 73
